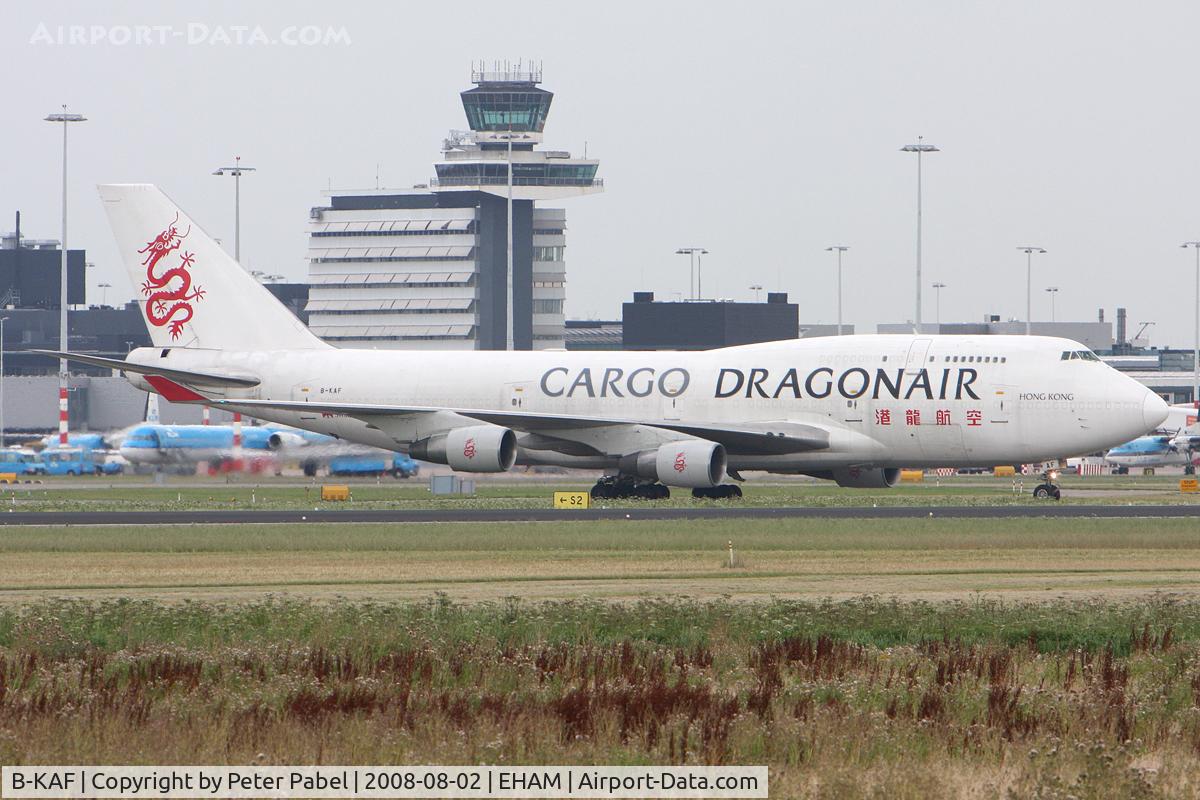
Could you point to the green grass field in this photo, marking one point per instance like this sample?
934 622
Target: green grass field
619 559
245 491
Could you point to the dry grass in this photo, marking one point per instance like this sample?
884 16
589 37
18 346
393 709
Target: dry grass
854 699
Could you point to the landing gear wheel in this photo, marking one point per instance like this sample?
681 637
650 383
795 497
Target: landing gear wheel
723 492
623 487
1047 491
1190 469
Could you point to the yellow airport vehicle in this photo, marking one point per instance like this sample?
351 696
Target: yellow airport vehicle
912 475
335 492
8 477
1189 485
1004 471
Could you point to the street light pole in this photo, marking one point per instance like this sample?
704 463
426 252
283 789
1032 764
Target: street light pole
1053 290
920 148
694 279
756 289
839 248
510 337
1029 251
103 287
2 321
63 342
937 294
1196 340
236 171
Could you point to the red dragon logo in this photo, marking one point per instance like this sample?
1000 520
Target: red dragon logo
469 449
163 303
680 462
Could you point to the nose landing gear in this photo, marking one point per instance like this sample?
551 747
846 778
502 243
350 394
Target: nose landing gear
1048 489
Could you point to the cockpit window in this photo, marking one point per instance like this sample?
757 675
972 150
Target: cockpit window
1079 355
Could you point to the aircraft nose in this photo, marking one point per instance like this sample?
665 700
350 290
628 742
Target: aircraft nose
1154 410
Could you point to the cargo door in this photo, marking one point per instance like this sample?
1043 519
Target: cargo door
303 392
517 395
918 356
672 384
1003 397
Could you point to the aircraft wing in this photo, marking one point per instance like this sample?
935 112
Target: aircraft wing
186 376
750 439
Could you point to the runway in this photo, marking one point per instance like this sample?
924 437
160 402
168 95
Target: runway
243 517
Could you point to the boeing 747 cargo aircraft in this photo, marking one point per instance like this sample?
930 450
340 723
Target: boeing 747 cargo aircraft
851 409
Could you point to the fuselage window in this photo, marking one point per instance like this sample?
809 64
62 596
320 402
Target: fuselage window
1003 359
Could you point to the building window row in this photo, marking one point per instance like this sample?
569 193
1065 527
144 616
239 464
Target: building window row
440 285
398 338
547 306
348 312
548 231
369 259
554 253
437 232
549 284
523 174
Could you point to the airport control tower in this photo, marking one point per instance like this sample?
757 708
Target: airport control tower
506 111
427 267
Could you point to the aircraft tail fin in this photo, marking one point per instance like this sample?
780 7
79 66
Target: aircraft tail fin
193 293
152 408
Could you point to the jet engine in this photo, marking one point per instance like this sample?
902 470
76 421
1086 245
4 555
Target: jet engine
692 463
478 448
859 478
280 440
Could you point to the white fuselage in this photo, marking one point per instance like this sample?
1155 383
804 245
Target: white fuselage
885 401
1162 459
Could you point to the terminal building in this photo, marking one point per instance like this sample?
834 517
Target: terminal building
427 267
705 325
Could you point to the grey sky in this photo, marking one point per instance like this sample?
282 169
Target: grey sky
762 131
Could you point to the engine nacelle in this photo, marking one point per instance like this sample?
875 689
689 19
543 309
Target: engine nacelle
478 448
282 439
692 463
860 478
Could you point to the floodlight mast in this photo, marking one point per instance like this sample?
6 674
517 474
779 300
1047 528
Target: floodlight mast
1029 250
236 171
63 343
920 148
839 248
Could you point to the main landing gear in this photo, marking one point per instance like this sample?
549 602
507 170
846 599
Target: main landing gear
624 487
1048 489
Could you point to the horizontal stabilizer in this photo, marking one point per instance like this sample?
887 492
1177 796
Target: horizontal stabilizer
186 376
